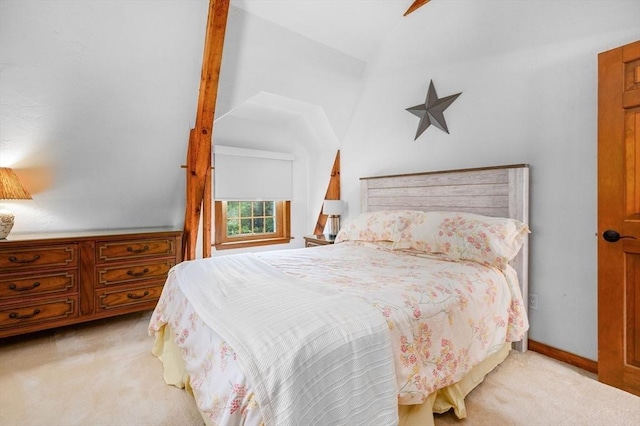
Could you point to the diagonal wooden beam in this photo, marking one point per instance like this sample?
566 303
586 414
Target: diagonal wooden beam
199 149
333 193
416 4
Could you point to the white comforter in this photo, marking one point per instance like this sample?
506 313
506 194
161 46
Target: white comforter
304 347
443 319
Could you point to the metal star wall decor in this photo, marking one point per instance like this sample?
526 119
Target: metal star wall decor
432 111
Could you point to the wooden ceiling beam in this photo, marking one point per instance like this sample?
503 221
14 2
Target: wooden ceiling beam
416 4
199 174
333 193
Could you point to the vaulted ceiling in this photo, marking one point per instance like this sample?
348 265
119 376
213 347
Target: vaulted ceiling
354 27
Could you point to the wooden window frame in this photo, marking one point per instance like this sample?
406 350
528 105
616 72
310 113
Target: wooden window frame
281 236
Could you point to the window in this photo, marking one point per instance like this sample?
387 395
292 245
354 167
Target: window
241 177
251 223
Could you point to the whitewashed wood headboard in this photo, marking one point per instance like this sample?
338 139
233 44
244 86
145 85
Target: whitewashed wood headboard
501 191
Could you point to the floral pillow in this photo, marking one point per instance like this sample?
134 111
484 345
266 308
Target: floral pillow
377 226
492 241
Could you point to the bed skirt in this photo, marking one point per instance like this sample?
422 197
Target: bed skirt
440 401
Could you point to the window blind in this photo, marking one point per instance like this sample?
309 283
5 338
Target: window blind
246 174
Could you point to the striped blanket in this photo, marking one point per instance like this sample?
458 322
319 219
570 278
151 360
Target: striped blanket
313 355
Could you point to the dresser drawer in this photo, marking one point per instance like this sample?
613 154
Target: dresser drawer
111 275
32 313
122 299
34 285
135 249
57 279
41 256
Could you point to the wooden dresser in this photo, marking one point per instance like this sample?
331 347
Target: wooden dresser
50 280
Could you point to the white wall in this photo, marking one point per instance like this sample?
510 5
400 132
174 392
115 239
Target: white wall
97 99
284 92
528 76
260 56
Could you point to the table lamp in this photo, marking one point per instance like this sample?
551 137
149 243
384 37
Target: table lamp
10 189
333 208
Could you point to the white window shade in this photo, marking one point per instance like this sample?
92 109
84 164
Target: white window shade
247 174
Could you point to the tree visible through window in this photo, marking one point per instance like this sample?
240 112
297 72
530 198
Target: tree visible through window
251 217
250 223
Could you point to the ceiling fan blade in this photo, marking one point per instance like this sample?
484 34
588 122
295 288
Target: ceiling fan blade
416 4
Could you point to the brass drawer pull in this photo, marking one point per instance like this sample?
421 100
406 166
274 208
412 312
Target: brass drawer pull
14 315
142 250
16 260
15 287
135 296
138 274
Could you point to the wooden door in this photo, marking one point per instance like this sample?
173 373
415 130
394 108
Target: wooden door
619 217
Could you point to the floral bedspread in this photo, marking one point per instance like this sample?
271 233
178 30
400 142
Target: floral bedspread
444 318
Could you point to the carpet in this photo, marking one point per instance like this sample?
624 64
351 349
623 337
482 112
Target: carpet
103 373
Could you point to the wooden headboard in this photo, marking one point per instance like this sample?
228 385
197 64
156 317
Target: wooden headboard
501 191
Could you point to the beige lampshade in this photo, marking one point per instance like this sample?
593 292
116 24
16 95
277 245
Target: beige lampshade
10 189
10 186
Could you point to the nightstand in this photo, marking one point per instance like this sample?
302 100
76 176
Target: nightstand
318 240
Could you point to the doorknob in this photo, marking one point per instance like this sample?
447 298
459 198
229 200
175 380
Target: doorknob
613 236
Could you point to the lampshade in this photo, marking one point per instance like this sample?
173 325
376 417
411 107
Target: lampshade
332 207
10 186
10 189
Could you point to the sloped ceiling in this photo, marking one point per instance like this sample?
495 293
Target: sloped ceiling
306 122
303 88
354 27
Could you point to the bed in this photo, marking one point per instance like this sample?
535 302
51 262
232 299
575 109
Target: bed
423 294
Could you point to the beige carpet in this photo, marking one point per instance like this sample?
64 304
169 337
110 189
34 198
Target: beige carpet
103 373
